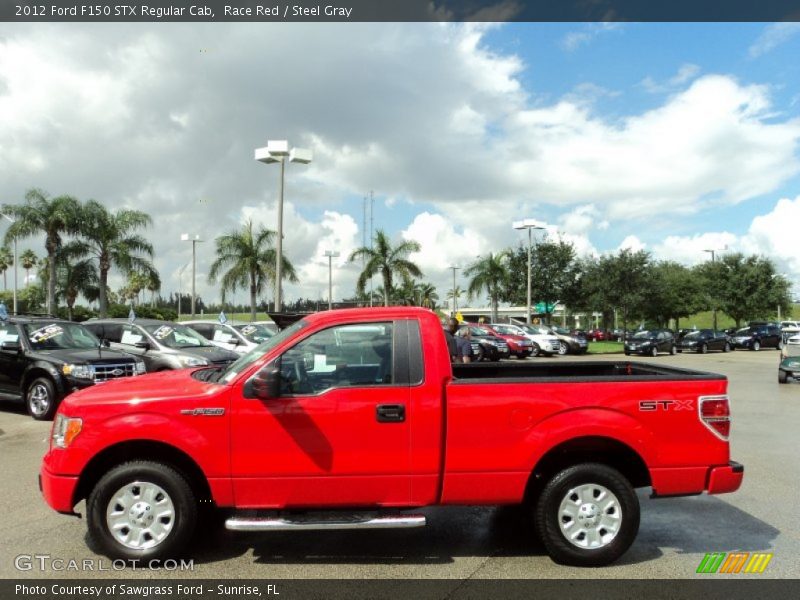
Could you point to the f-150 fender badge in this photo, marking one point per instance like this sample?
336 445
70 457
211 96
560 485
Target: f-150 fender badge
649 405
204 412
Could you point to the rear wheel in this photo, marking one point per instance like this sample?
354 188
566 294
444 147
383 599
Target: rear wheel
587 515
673 350
480 354
726 347
756 346
654 352
703 348
782 377
535 349
41 400
141 510
563 348
780 345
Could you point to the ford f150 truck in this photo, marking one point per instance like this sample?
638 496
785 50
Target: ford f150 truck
354 418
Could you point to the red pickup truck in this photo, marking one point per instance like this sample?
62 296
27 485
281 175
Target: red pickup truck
353 418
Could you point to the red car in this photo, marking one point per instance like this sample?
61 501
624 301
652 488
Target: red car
348 415
596 335
518 345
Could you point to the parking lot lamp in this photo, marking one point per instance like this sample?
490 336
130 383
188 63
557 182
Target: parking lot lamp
714 308
455 300
12 221
194 239
331 254
530 225
278 151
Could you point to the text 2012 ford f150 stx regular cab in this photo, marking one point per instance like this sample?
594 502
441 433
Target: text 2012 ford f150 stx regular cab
353 418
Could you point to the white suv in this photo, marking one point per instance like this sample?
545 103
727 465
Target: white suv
544 342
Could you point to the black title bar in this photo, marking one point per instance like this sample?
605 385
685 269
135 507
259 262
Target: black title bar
401 10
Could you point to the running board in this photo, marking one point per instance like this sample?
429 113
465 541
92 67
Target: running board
281 524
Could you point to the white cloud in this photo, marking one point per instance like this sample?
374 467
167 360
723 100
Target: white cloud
691 250
686 73
632 243
773 36
574 40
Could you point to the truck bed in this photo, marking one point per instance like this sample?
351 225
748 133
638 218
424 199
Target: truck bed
572 372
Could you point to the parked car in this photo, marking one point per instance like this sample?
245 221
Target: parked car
756 337
789 367
307 420
238 336
485 346
570 342
596 335
545 343
703 340
518 344
162 345
651 341
42 360
790 326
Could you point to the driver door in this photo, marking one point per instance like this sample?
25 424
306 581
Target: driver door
338 432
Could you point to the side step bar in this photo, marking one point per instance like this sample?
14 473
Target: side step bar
281 524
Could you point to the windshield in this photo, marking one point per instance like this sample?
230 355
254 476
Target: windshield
746 331
642 335
173 335
562 331
506 329
245 360
536 330
692 336
60 336
254 333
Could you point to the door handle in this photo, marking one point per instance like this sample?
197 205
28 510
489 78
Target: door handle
390 413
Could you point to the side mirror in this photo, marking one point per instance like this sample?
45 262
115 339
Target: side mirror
143 345
11 346
263 385
105 343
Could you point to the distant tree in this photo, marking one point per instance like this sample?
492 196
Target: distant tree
54 218
746 287
28 260
6 261
488 274
387 261
457 293
674 292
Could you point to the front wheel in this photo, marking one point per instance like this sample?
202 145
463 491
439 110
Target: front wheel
141 510
654 352
726 347
480 354
673 350
756 346
782 377
587 515
41 400
703 349
563 348
535 349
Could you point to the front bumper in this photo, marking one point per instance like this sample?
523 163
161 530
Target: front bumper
58 490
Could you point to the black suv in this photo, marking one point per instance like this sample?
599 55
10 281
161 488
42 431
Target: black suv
485 345
650 342
44 359
758 336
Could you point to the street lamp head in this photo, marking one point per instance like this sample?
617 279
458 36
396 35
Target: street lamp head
301 155
528 224
185 237
331 253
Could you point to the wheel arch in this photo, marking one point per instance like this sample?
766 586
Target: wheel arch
37 370
588 449
148 450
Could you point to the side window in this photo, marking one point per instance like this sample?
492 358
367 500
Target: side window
222 334
131 335
343 356
8 333
204 329
110 331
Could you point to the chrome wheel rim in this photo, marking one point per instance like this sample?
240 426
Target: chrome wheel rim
562 349
39 399
140 515
590 516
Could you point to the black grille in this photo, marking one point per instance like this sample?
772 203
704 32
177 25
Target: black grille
104 372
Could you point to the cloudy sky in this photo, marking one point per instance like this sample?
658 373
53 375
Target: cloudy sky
675 138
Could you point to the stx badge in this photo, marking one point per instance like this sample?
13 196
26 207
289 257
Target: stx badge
649 405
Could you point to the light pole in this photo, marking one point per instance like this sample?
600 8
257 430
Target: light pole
714 308
530 225
12 221
194 239
455 304
331 254
180 287
278 151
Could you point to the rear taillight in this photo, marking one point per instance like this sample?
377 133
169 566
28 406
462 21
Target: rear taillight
715 413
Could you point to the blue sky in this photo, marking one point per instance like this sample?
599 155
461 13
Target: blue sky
669 137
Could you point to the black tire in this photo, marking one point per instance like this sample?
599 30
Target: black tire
654 351
180 526
627 353
480 355
726 347
549 517
535 350
563 349
780 345
703 349
756 346
782 377
41 399
673 350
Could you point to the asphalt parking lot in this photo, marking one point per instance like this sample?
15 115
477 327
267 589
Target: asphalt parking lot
471 542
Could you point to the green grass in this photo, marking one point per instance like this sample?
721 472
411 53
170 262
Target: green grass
605 348
231 316
705 320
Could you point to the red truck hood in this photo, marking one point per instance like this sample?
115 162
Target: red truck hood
155 387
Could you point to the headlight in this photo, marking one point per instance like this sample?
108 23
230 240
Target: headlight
65 430
78 371
140 368
192 361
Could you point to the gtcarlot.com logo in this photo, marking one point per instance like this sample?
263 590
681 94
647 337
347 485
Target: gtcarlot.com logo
734 562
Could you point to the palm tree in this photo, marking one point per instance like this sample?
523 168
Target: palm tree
109 239
136 283
75 275
249 258
455 294
55 218
387 260
427 295
6 261
488 274
28 260
153 285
